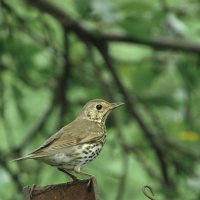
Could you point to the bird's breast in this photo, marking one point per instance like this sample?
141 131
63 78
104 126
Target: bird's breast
78 155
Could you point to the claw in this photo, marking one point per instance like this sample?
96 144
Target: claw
89 185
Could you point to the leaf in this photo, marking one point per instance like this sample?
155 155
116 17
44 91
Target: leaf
189 136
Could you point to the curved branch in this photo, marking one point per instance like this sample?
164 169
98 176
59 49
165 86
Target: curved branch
149 134
159 44
87 35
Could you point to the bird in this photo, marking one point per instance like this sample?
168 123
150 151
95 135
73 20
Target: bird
78 143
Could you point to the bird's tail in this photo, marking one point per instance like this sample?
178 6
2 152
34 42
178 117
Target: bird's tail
29 156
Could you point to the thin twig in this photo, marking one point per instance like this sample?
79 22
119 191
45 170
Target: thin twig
64 80
150 196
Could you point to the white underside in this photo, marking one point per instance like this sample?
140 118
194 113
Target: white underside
73 157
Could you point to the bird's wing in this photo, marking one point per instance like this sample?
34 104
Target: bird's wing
75 132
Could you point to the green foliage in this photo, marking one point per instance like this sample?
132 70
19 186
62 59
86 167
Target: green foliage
47 74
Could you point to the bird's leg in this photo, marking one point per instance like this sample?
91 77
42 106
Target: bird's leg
78 170
74 178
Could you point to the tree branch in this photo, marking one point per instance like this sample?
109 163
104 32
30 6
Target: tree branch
89 36
98 41
148 133
127 149
63 82
158 44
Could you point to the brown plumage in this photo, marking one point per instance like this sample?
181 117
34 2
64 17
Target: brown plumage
78 143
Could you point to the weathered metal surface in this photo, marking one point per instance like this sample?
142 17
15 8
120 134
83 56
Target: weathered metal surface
76 190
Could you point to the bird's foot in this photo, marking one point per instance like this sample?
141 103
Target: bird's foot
89 184
74 178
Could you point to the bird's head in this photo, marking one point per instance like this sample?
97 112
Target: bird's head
98 109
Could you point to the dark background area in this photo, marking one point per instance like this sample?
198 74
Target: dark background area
57 55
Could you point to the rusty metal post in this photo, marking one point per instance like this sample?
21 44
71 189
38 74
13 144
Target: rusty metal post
76 190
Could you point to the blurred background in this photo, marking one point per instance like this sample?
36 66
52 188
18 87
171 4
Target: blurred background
57 55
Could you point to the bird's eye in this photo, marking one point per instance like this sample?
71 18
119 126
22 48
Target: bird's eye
99 107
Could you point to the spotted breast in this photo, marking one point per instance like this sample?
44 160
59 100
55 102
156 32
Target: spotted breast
76 155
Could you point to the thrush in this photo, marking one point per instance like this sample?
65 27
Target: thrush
78 143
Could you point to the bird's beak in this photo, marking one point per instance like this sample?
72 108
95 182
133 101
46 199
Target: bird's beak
116 105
